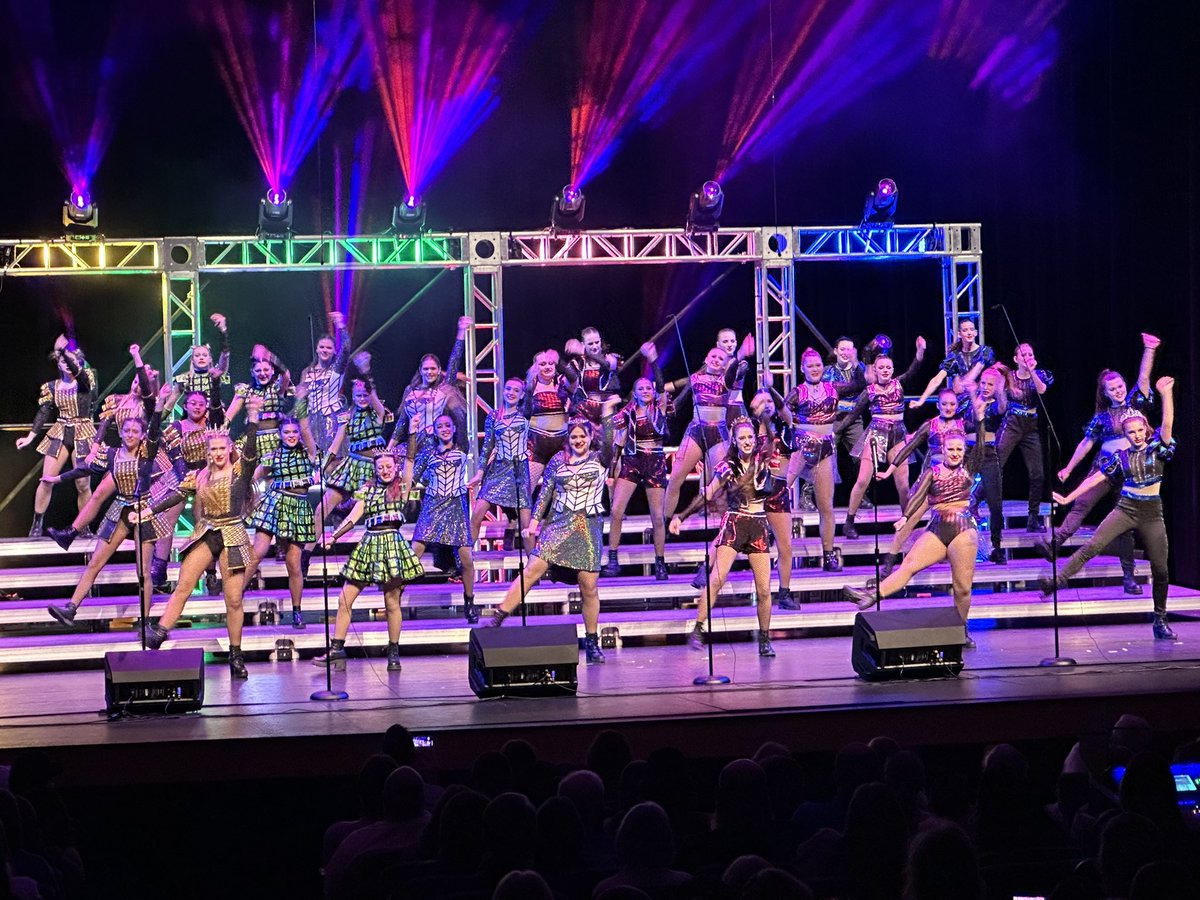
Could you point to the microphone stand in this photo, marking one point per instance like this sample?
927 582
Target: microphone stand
875 503
1053 448
520 541
711 678
329 693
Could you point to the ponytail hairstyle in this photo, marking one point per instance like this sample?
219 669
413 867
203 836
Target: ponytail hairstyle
1002 374
1102 401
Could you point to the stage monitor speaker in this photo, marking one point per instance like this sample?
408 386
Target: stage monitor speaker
907 643
153 681
534 661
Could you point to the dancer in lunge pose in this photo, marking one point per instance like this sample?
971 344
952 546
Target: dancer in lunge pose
995 405
572 497
778 504
596 367
643 424
445 504
965 361
932 433
735 404
813 406
205 378
128 469
271 383
283 512
1138 469
186 444
549 384
744 476
431 393
383 558
845 370
505 465
883 437
66 403
358 441
1113 404
1020 428
321 384
223 493
951 533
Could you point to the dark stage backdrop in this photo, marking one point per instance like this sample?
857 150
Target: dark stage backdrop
1088 199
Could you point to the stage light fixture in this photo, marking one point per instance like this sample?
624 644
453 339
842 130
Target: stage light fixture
275 214
879 209
566 212
704 209
79 213
409 216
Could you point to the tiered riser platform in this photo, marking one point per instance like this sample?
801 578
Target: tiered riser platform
644 610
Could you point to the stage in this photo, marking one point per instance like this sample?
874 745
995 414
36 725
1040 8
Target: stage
808 697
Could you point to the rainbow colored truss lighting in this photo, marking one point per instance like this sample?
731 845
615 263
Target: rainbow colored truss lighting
435 69
282 84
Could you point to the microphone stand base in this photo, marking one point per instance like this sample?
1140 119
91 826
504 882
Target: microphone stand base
701 680
1058 662
329 695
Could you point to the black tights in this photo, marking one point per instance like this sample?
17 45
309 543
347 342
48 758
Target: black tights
1146 518
1022 432
989 471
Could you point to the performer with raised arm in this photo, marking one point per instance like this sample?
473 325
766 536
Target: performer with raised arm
283 512
505 463
205 378
1020 428
1138 469
223 493
66 403
642 425
886 432
549 384
744 476
932 433
321 384
992 392
965 361
571 503
845 371
271 382
383 558
778 504
431 393
186 444
952 533
1113 404
596 367
128 469
358 441
735 404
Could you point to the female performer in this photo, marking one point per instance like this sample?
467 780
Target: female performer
813 407
951 533
992 392
284 513
186 444
1113 404
445 505
597 369
964 362
223 494
1020 428
69 399
643 424
321 384
1139 467
844 369
707 435
735 403
129 469
572 496
933 433
505 463
549 384
271 382
885 434
744 475
361 437
383 557
204 378
431 392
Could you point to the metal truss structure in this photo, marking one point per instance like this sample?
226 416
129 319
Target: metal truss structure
483 256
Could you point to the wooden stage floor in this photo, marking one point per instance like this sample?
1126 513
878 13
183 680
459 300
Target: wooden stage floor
808 697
